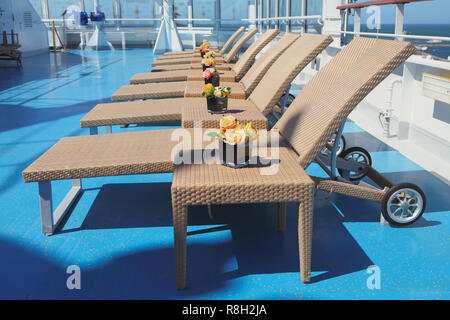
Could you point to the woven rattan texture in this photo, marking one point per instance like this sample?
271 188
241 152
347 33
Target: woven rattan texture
326 101
104 155
128 112
195 89
243 110
239 43
211 184
219 66
349 189
150 90
259 68
249 55
225 75
286 68
166 76
231 39
161 68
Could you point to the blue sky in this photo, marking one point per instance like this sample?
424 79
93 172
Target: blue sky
426 12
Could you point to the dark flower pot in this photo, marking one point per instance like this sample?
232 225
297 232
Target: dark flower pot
234 156
214 106
215 81
202 54
204 67
222 103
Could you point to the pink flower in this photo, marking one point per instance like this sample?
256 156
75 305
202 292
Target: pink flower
207 74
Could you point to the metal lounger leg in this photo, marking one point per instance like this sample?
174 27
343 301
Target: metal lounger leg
93 131
49 219
281 216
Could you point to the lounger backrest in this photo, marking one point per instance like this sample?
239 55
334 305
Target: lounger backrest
238 45
286 68
328 98
231 39
263 63
244 62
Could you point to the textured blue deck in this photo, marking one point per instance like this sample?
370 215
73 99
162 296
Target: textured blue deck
120 232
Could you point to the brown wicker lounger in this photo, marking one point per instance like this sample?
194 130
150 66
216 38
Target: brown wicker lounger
239 69
157 90
317 112
273 83
222 51
227 58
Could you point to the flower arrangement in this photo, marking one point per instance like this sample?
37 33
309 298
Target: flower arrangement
210 72
211 92
234 138
208 62
211 76
204 48
233 132
216 98
209 54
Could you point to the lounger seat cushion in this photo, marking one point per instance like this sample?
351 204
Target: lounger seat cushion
195 89
165 67
219 66
104 155
128 112
171 61
150 91
167 76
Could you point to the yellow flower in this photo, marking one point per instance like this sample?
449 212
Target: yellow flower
228 122
251 132
207 88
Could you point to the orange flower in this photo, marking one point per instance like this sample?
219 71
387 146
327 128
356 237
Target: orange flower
228 122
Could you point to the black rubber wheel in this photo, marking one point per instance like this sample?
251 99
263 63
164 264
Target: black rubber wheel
357 154
403 204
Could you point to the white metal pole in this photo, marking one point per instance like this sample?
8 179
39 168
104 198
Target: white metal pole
96 6
217 15
44 9
81 5
303 13
357 21
190 13
277 13
252 13
288 14
268 14
399 18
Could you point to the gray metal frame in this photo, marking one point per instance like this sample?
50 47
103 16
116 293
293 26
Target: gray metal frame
51 219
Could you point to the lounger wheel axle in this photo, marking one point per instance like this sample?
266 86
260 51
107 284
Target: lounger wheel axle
360 156
403 204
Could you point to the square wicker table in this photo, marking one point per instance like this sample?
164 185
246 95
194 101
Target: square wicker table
205 184
244 111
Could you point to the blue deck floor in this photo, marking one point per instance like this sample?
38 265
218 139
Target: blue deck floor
120 234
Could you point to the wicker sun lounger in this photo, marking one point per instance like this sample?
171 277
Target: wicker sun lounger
267 87
230 56
317 112
222 51
238 71
175 89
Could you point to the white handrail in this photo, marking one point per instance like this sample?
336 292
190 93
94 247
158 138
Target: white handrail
392 35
